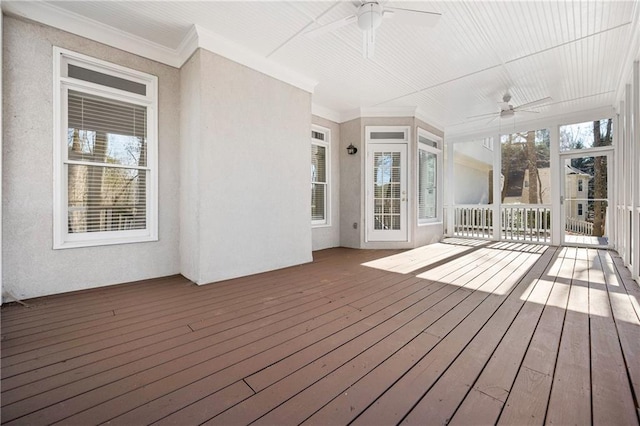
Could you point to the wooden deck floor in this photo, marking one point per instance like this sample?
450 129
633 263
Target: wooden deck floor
462 332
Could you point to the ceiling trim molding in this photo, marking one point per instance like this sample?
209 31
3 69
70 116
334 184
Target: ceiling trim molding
197 37
325 113
427 119
57 17
240 54
391 111
188 45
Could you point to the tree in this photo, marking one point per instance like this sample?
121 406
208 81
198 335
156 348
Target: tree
600 177
532 166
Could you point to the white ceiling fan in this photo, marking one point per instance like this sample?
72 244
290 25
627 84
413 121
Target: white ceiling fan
507 110
368 16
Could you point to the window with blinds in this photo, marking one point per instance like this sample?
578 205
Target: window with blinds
107 179
319 178
428 171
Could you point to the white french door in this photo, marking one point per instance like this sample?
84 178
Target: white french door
386 195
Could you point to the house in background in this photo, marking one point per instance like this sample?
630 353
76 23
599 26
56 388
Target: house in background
145 140
576 193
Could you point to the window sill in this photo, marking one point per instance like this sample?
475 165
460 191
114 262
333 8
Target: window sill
103 242
320 225
434 222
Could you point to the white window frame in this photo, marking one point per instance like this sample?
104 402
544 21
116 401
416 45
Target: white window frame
62 239
438 152
326 144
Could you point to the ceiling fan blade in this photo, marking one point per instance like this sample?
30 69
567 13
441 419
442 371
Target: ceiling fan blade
368 43
489 114
493 119
539 102
412 17
331 26
529 111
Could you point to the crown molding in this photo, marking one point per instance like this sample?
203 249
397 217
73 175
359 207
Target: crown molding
240 54
71 22
197 37
391 111
188 45
326 113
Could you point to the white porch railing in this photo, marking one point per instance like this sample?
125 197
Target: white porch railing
577 226
521 222
526 222
473 221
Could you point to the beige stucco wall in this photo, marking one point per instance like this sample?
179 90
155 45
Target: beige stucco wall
329 236
30 266
252 179
351 177
190 130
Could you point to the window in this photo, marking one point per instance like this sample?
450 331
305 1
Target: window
319 177
429 160
590 134
580 185
105 153
579 209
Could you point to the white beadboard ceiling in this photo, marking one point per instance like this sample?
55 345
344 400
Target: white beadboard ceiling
575 52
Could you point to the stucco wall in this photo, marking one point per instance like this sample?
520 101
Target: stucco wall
30 266
329 236
351 174
190 101
253 171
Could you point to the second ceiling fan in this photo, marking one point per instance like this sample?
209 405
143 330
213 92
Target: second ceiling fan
369 15
507 110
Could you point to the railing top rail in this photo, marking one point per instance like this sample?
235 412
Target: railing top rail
471 206
504 206
526 206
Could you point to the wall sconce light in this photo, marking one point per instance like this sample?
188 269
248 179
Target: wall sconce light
351 149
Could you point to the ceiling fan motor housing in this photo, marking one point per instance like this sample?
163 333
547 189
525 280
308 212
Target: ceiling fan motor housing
369 16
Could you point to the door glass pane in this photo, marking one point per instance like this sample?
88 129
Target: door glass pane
386 191
586 200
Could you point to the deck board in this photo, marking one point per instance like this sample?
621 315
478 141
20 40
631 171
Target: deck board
459 332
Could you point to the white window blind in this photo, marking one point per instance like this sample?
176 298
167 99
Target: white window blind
106 183
105 195
427 185
429 161
320 176
318 183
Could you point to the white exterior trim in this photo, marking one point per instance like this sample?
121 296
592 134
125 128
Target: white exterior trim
391 111
61 238
240 54
326 143
439 191
57 17
325 113
370 145
197 37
